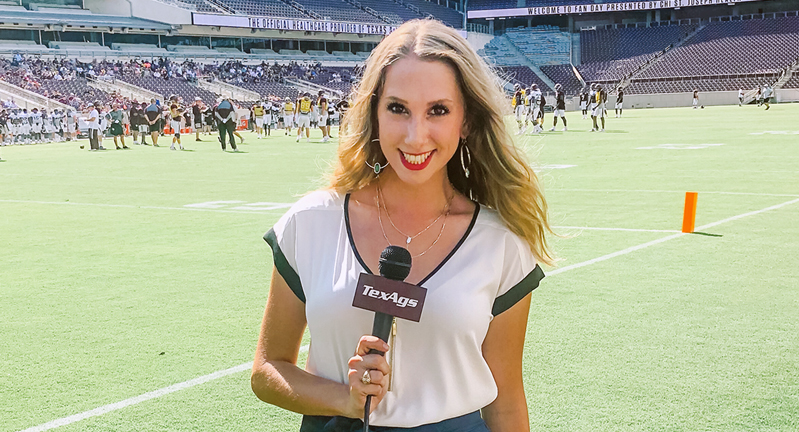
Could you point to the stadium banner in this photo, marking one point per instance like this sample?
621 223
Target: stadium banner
267 23
597 7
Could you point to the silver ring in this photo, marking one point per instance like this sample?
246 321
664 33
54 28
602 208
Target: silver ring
366 379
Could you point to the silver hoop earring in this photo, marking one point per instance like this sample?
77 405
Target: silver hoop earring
376 167
467 161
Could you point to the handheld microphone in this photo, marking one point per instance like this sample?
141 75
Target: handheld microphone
389 297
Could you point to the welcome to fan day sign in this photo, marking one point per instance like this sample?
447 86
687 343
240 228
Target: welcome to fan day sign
597 7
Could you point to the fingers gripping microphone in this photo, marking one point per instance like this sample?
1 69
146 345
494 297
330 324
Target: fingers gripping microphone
389 297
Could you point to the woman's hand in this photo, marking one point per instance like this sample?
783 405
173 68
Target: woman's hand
378 371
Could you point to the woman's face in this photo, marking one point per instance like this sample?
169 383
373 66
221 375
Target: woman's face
420 117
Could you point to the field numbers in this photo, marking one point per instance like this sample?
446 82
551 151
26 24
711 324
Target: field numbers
680 146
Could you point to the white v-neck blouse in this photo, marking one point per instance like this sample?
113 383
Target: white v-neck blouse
438 371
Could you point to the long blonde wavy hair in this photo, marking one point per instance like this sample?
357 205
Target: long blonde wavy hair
500 178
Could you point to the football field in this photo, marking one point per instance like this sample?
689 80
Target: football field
132 282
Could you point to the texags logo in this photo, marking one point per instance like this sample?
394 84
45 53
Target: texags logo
402 302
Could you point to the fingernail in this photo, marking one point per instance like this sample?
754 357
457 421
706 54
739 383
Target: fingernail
385 346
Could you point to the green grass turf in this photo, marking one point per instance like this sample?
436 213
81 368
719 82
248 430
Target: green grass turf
111 288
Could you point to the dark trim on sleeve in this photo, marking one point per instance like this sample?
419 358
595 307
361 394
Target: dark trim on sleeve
283 267
518 292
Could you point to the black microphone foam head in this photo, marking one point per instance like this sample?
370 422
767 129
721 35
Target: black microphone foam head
395 263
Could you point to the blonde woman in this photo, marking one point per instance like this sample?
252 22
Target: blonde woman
426 164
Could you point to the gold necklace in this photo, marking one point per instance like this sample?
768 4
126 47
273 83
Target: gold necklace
440 232
409 238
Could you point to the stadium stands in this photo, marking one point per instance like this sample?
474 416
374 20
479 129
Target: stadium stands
539 45
392 12
734 47
523 75
169 87
563 75
492 4
701 84
542 44
602 45
450 17
339 10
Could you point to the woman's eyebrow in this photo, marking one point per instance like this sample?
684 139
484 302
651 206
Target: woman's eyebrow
435 102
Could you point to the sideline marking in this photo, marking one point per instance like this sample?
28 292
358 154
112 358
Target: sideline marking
240 368
615 229
143 398
274 206
665 239
675 192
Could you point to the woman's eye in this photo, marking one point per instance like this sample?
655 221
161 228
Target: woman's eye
439 110
396 108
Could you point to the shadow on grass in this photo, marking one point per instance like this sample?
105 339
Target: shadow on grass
707 234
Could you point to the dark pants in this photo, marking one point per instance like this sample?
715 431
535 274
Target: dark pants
467 423
94 139
225 130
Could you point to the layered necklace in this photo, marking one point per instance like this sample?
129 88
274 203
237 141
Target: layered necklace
409 238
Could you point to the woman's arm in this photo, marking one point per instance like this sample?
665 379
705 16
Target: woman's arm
502 349
277 380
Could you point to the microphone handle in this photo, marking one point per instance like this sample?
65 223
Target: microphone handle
382 329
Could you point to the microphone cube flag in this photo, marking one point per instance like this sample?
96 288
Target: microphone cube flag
391 297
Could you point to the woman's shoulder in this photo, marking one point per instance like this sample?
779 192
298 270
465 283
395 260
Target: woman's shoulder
489 223
319 201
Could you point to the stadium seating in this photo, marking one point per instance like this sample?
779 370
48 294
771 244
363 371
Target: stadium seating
563 75
733 47
793 82
542 44
448 16
702 84
273 8
393 12
171 86
492 4
523 75
602 45
339 10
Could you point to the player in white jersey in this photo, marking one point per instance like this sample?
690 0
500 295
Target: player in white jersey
534 101
37 124
740 97
768 92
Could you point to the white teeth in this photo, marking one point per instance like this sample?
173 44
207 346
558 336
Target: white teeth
416 159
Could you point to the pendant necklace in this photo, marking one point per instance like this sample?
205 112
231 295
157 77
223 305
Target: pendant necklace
408 240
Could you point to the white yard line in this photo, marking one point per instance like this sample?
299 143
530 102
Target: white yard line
615 229
285 206
143 398
676 192
240 368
